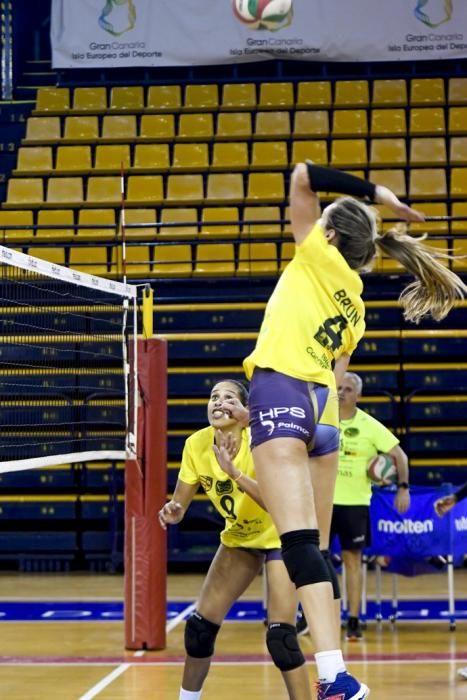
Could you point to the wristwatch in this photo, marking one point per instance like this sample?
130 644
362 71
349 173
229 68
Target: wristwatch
402 485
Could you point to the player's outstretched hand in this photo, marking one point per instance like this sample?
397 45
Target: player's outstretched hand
225 451
171 514
444 505
383 195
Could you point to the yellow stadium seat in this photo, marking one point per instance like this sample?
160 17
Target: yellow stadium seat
97 218
348 153
287 227
311 124
458 183
233 126
157 127
431 227
84 128
190 157
350 122
73 159
257 259
287 253
388 122
272 125
104 190
427 183
265 188
351 93
213 215
201 98
458 150
53 255
457 120
314 95
385 153
121 127
144 190
314 150
89 259
269 230
66 191
55 217
276 96
24 191
457 92
183 189
393 178
236 96
425 91
42 130
138 261
183 223
151 157
34 160
224 188
214 259
459 264
269 155
426 121
112 158
90 99
428 151
195 127
164 98
54 100
459 209
140 216
387 93
172 261
127 99
230 156
16 218
384 264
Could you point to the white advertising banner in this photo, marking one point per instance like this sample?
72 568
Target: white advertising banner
113 33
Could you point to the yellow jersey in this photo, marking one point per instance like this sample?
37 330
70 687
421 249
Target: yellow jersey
246 523
314 315
361 438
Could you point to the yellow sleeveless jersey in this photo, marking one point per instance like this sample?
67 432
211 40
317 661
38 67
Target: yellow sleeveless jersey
361 438
246 523
314 315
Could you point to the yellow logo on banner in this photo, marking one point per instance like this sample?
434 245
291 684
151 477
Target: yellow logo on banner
128 21
425 8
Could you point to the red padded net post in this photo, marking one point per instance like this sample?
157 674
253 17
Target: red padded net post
146 489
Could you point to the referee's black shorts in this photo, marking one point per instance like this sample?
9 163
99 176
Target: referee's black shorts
351 524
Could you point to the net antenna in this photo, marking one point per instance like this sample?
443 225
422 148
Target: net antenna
64 372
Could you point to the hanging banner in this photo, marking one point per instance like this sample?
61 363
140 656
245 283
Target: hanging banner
117 33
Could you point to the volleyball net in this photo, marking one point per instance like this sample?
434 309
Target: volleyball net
65 374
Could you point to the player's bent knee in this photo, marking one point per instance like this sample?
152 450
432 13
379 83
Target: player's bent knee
200 636
302 557
282 643
332 573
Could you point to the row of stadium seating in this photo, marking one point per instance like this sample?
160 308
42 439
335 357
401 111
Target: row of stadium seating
232 156
238 126
215 188
303 95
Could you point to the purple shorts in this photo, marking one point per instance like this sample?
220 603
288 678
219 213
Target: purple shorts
281 406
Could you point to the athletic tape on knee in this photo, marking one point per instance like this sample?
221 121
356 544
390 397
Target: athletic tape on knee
282 643
200 636
301 555
332 573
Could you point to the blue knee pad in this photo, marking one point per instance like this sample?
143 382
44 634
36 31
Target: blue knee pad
302 557
282 643
200 636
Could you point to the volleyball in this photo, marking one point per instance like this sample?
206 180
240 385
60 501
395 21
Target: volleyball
382 470
263 14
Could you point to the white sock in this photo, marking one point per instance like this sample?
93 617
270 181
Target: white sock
189 694
329 664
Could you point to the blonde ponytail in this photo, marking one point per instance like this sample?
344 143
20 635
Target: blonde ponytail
435 289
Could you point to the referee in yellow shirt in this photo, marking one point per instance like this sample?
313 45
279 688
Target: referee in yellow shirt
361 438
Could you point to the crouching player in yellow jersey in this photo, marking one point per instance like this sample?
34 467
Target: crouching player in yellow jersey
248 541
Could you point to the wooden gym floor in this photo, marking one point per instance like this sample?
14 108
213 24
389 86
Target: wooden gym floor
48 660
